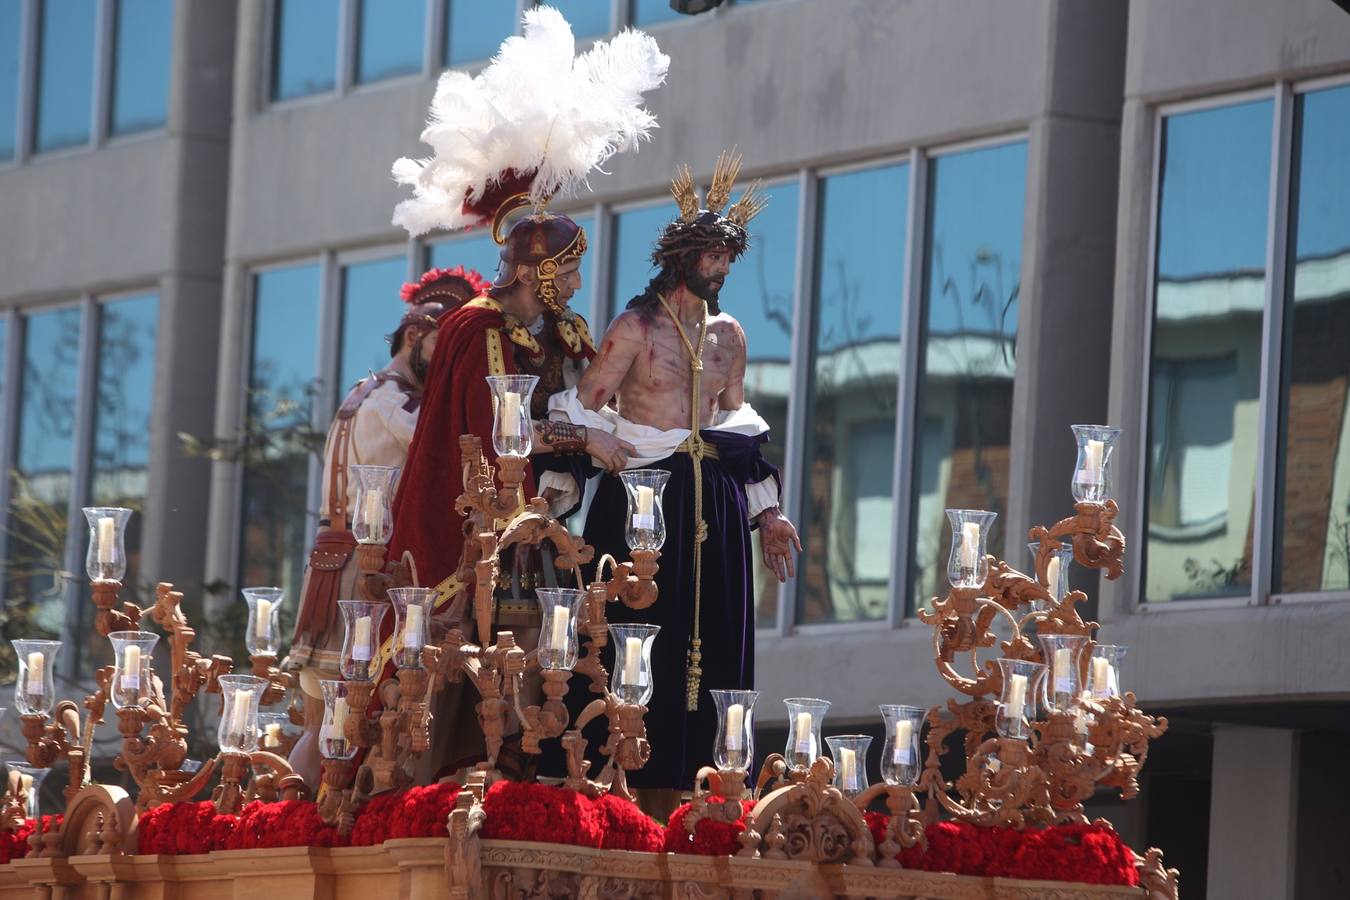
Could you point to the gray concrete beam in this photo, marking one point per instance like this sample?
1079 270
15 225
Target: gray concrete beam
1253 813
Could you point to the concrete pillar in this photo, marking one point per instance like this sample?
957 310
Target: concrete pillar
1068 256
1253 813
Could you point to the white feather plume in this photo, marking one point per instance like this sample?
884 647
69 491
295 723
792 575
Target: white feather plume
536 108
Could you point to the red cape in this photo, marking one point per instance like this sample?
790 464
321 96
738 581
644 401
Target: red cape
455 401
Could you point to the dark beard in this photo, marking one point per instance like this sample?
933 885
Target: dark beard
419 364
706 288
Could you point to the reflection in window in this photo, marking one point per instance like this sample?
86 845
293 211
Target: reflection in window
855 369
391 36
40 493
121 461
281 373
644 13
371 309
972 272
10 34
635 233
65 83
1206 351
304 47
1314 543
759 294
141 56
588 18
474 29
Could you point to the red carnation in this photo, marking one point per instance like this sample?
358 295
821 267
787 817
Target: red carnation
372 823
628 828
710 838
423 811
535 812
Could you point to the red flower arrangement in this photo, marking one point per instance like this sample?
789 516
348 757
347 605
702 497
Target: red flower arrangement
290 823
628 828
1091 854
535 812
421 811
710 838
183 828
372 823
14 844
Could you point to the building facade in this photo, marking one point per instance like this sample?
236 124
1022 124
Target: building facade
987 222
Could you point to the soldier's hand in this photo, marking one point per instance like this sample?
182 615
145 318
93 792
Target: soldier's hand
608 450
777 538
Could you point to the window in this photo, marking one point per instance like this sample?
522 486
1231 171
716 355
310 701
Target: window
635 232
847 516
474 29
141 58
645 13
304 48
276 468
11 37
588 18
759 293
1313 551
973 261
120 466
65 81
391 38
40 492
478 252
371 308
1205 377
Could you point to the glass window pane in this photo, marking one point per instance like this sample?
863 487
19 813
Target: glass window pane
963 424
304 48
121 462
588 18
474 29
41 488
371 309
4 324
1205 366
11 33
141 57
651 12
276 465
635 233
478 251
847 521
392 34
759 294
1314 548
65 82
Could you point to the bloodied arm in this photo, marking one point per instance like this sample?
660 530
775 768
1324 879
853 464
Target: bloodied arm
598 385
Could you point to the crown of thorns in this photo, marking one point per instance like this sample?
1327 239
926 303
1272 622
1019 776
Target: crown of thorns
699 227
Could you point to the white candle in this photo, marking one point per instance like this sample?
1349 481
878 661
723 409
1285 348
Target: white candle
412 627
239 712
632 660
848 766
131 668
1092 462
509 423
1100 676
1017 695
970 545
1052 577
735 727
375 515
36 663
361 639
339 725
1062 662
262 629
904 737
107 538
646 499
803 744
558 632
272 734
